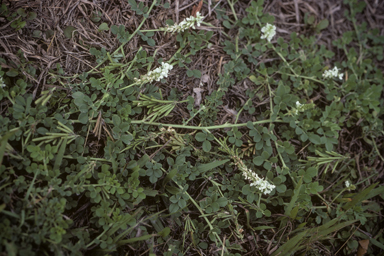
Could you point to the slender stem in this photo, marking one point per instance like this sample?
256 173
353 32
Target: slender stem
336 196
304 77
210 25
377 150
351 63
13 103
206 127
151 30
233 9
258 200
197 206
130 37
202 108
286 62
91 158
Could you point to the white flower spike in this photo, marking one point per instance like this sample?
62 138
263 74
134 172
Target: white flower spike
269 31
157 74
261 184
333 73
185 24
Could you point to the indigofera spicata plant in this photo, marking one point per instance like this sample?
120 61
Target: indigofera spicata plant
212 129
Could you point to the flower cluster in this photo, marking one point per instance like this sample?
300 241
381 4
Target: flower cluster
269 32
349 186
299 108
2 84
261 184
333 73
157 74
185 24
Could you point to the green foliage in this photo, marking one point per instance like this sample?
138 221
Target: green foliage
19 18
103 163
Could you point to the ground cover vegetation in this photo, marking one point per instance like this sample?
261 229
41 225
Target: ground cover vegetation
191 127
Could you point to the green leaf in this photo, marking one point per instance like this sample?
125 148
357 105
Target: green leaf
281 188
294 197
311 19
60 154
227 24
210 166
37 33
246 189
265 155
323 24
68 31
375 192
173 208
200 136
376 243
267 165
311 171
170 176
263 227
203 245
95 17
114 29
83 118
12 73
116 120
31 16
207 146
134 240
189 73
258 160
21 12
294 212
182 203
172 190
103 27
151 42
127 138
144 159
197 73
3 144
222 201
314 138
304 137
359 197
289 246
321 232
165 232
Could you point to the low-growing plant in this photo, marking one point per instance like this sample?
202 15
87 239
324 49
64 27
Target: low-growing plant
126 163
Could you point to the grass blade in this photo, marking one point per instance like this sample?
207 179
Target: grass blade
60 154
359 197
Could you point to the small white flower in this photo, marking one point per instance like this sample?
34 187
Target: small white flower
299 108
2 84
269 32
185 24
157 74
333 73
347 184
